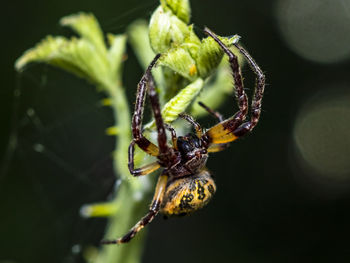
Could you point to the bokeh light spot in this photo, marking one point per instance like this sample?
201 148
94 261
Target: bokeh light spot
322 138
317 30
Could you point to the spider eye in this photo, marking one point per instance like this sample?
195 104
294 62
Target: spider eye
196 141
184 146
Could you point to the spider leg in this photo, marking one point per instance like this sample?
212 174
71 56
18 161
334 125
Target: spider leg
153 96
212 112
232 128
240 94
153 211
195 124
213 148
173 134
222 132
136 125
147 169
258 95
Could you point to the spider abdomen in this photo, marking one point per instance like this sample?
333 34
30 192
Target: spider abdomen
188 194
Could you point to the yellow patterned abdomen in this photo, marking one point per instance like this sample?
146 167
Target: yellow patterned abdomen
188 194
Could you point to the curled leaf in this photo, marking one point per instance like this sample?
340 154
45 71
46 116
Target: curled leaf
180 102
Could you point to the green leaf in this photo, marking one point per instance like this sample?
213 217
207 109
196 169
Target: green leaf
70 55
41 52
86 57
116 52
87 27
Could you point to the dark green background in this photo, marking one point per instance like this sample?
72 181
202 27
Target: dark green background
261 212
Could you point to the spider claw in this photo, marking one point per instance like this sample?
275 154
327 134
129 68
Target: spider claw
109 242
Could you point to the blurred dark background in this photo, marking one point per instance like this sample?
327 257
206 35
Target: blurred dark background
283 191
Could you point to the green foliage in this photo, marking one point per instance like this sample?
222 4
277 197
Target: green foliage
86 57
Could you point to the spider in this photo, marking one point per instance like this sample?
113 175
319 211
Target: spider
185 185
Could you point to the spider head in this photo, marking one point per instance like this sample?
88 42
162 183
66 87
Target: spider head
188 194
190 146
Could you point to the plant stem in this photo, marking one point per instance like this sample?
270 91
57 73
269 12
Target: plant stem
119 224
129 207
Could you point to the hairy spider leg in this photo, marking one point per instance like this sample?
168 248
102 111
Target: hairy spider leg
153 211
195 124
258 95
222 132
153 96
136 125
232 128
147 84
173 134
144 170
198 128
215 147
167 156
215 114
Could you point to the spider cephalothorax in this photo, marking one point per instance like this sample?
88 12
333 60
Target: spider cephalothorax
185 185
192 156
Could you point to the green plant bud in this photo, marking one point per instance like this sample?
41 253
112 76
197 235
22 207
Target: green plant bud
166 30
179 30
180 60
194 58
192 42
159 30
180 8
210 54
